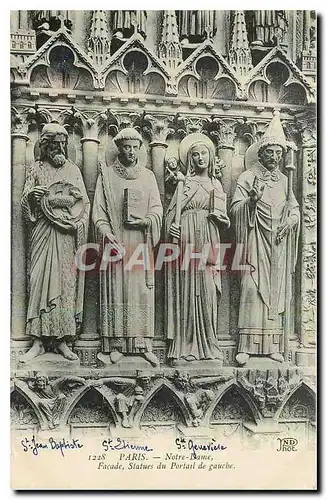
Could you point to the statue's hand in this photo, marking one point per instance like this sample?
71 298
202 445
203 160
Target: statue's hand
38 192
219 218
137 223
175 231
285 228
117 246
256 192
69 225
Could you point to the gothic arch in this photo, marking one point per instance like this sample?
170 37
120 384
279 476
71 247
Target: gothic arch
225 89
248 408
305 392
169 393
17 390
260 73
95 393
205 53
123 61
77 60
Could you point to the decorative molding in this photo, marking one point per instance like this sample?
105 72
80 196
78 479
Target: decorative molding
269 387
158 128
295 74
23 118
222 130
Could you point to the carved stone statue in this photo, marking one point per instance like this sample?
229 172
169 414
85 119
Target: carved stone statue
269 26
56 208
265 215
127 213
126 21
196 24
51 396
194 217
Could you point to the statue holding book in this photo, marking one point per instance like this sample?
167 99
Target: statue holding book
194 218
127 215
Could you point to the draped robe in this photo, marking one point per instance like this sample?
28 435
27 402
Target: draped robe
56 288
126 296
262 300
192 294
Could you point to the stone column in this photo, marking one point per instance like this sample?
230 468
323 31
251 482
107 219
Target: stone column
20 342
158 129
225 149
308 242
222 132
158 152
89 343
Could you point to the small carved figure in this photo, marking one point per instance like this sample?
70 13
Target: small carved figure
269 26
171 170
126 22
126 393
51 396
124 405
194 218
266 219
196 25
127 214
198 403
56 207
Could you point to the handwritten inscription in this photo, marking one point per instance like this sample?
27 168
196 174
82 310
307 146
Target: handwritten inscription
62 445
122 444
287 444
183 444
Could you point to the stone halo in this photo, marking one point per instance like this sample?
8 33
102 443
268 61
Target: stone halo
191 140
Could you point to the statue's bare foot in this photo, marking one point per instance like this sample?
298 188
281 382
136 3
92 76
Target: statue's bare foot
152 358
104 358
125 422
36 350
63 349
242 358
190 358
277 356
116 356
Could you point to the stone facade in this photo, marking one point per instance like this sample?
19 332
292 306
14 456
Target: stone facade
96 72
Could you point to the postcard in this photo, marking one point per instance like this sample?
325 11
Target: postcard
164 235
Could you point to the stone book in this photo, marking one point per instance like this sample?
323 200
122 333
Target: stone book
133 205
217 202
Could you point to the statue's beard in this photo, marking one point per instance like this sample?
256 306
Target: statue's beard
57 160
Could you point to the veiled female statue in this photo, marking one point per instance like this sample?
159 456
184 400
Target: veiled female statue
193 285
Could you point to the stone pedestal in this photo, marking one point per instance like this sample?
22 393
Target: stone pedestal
50 361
